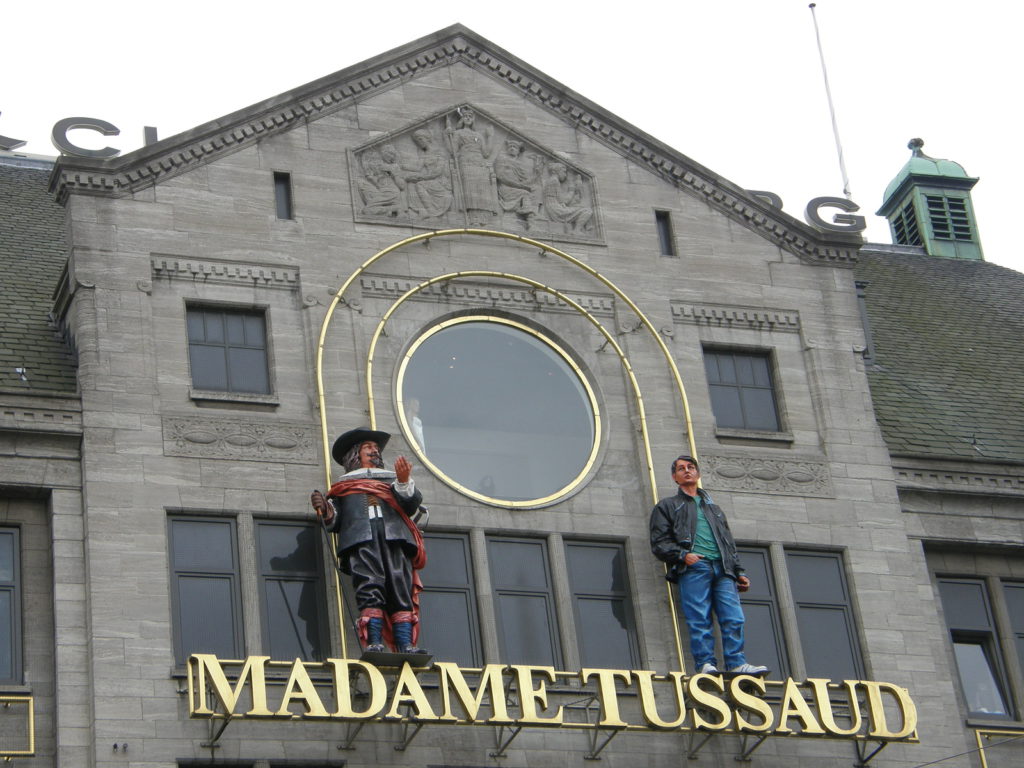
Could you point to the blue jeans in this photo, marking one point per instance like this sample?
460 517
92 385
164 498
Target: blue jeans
705 588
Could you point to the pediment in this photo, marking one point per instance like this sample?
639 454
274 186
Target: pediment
170 157
462 167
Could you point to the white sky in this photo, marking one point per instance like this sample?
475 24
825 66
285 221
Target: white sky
736 85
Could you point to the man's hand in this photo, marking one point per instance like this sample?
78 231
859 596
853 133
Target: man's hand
742 584
321 506
403 469
692 557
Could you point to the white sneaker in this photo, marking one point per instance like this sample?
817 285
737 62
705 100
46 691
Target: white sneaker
709 669
748 669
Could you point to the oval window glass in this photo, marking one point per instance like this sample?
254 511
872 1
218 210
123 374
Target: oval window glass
498 411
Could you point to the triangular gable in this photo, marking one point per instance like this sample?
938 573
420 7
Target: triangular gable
178 154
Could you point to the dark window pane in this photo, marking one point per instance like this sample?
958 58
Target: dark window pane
206 621
759 409
294 599
520 564
764 640
725 402
525 629
283 195
209 367
826 634
727 369
1015 604
6 556
605 631
255 331
7 638
196 326
248 369
966 605
663 222
235 329
744 370
293 616
448 628
214 325
816 579
595 569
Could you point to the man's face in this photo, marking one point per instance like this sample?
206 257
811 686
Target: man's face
685 472
369 455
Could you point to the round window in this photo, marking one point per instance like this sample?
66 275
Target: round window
498 411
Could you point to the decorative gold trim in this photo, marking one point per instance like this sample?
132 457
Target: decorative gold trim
6 701
989 732
532 503
544 249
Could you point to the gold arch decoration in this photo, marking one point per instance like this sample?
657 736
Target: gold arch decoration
544 248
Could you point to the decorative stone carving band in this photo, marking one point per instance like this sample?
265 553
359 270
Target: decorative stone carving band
225 272
471 293
737 317
786 477
246 440
959 482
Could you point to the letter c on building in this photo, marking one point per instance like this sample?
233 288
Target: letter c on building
59 137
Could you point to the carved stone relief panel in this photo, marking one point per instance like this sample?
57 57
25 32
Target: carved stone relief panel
787 477
462 168
247 440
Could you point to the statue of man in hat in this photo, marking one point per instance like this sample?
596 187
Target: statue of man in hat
371 509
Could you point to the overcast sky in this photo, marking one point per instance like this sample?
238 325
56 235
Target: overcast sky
737 86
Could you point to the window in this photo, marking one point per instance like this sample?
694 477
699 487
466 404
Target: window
523 601
904 226
602 607
473 377
1013 592
291 591
283 195
824 615
742 394
448 601
205 588
10 606
663 221
227 350
948 217
975 645
763 636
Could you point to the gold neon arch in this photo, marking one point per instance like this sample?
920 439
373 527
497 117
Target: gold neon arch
544 248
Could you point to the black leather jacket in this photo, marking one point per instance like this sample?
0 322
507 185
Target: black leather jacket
674 525
352 522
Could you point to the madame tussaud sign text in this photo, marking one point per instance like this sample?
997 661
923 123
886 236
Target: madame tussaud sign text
352 690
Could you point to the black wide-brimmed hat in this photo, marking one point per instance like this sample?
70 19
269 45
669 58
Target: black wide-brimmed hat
357 437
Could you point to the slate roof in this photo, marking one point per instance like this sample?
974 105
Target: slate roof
32 254
948 378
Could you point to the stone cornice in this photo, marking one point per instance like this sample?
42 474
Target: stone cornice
60 415
509 296
720 315
167 158
963 478
226 272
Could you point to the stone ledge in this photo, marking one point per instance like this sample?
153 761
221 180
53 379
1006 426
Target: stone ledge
225 272
736 317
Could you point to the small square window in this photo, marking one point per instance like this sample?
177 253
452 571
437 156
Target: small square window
742 392
227 350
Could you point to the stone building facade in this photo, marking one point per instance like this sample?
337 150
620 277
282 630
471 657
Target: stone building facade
164 493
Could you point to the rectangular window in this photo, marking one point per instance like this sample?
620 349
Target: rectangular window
451 630
824 615
763 637
742 393
205 591
523 601
1013 591
975 646
292 591
227 350
602 606
10 606
666 239
283 195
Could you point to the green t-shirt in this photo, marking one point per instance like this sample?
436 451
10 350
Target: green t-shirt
704 540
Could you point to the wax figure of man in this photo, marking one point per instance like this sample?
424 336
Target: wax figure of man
371 509
690 534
